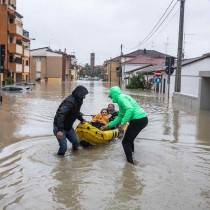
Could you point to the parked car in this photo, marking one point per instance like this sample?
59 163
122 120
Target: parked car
29 83
16 88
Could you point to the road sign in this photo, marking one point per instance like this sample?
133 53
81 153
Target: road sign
158 80
158 74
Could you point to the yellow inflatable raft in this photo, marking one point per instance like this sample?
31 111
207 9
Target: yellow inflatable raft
90 135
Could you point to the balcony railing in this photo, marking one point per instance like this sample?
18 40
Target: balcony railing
15 48
15 67
19 42
14 29
25 33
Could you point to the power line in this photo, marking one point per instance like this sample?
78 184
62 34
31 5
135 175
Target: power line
163 27
157 23
145 40
152 32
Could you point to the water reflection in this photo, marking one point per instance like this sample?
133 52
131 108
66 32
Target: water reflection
128 189
203 127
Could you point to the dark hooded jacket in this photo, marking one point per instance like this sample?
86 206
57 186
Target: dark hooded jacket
69 109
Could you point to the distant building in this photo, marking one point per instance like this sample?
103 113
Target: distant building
92 61
54 65
16 42
130 63
110 70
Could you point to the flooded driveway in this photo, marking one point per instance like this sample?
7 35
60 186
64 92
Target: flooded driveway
172 155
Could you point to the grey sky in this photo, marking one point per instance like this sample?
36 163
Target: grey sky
101 26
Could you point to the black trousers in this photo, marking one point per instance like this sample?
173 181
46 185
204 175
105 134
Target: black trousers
134 128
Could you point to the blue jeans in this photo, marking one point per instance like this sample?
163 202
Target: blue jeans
70 135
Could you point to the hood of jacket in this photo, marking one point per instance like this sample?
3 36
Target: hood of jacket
79 92
114 93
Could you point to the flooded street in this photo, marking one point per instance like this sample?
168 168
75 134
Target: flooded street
172 155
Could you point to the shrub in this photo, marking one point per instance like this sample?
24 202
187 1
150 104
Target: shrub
9 81
137 81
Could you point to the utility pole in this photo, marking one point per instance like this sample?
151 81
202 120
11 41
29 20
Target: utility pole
177 87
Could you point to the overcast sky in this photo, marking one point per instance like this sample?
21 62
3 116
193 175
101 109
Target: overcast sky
101 26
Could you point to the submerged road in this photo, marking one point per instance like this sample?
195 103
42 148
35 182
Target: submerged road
172 156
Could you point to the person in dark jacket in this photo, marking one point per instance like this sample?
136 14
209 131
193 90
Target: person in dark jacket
67 113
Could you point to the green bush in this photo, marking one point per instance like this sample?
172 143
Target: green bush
9 81
136 82
139 82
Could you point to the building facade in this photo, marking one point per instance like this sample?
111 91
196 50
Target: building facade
110 73
195 83
52 65
16 41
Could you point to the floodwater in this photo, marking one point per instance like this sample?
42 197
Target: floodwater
172 156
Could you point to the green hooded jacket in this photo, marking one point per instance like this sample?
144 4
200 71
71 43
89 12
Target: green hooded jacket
129 109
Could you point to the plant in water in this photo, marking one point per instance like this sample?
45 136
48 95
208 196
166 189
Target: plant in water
137 81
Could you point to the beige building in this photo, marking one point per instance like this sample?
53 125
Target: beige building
51 65
16 42
110 70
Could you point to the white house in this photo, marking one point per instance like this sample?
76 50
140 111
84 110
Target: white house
145 59
195 83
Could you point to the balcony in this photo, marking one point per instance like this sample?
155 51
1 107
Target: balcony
14 29
15 48
12 7
15 67
26 36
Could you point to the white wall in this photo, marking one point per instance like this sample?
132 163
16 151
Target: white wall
128 67
190 76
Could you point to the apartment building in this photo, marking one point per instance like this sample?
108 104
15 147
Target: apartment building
55 66
16 42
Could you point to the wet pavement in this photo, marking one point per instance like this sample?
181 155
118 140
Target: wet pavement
172 155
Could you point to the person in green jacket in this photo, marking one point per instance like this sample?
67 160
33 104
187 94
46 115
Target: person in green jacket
129 112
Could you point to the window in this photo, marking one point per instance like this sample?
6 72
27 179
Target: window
10 58
10 39
26 62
